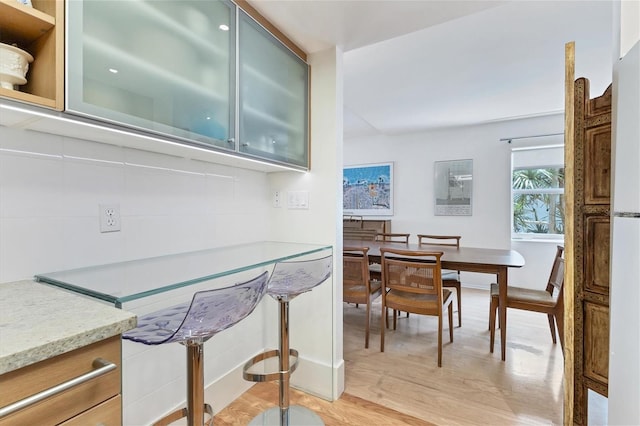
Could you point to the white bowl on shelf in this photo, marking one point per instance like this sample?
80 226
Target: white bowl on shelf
14 64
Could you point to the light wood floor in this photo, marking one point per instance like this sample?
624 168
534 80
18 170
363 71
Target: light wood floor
404 386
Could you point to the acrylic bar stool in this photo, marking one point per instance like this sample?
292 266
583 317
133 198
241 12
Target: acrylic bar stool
288 280
192 324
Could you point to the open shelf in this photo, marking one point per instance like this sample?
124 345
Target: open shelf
23 23
38 30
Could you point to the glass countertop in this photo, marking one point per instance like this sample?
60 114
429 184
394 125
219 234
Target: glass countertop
130 280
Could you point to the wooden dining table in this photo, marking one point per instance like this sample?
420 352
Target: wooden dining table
469 259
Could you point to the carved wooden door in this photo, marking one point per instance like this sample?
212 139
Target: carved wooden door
591 240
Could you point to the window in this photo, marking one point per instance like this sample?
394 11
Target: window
537 192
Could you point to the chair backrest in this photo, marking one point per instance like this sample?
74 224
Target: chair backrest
556 277
292 278
440 240
212 311
356 284
355 265
412 271
359 234
393 237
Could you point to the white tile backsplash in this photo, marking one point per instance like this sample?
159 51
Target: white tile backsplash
87 184
31 185
50 188
22 246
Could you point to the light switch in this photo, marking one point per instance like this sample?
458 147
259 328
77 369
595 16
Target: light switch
298 199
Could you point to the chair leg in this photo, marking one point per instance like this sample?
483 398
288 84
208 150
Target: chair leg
366 326
440 340
560 323
384 323
386 317
451 322
552 327
459 295
492 322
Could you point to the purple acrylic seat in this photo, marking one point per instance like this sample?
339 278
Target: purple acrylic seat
288 280
192 324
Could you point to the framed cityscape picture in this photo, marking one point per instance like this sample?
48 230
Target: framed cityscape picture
453 187
367 189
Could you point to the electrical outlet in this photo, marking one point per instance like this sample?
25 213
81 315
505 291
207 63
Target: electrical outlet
109 217
277 199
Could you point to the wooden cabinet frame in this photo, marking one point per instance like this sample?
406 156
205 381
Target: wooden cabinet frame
38 30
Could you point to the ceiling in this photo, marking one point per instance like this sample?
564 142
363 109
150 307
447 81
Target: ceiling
411 66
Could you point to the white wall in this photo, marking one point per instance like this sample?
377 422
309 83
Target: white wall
50 188
316 318
489 225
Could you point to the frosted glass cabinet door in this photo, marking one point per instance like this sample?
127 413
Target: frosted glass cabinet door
273 97
163 66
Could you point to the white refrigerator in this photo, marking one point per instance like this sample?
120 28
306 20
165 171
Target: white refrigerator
624 359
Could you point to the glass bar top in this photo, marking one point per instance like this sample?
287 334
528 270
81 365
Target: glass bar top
130 280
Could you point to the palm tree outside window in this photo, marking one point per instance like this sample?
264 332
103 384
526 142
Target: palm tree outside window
537 188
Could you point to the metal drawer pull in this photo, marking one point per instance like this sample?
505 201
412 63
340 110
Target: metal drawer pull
101 366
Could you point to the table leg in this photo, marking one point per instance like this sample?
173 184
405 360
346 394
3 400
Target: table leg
502 309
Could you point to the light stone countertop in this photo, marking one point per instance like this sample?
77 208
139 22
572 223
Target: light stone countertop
38 321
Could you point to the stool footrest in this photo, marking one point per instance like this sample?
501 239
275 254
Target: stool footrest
268 377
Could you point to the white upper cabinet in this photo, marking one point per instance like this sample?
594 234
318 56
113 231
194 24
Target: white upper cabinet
273 96
161 66
181 69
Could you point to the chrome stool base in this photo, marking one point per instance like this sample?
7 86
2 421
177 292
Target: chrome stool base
294 415
183 413
288 280
249 375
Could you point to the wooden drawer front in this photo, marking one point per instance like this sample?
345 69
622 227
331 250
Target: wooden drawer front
109 413
35 378
596 257
597 165
596 342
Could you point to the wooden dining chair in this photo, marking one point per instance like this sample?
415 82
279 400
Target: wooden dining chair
375 269
450 279
548 301
357 287
412 282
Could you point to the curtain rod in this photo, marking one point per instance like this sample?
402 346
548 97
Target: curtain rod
528 137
